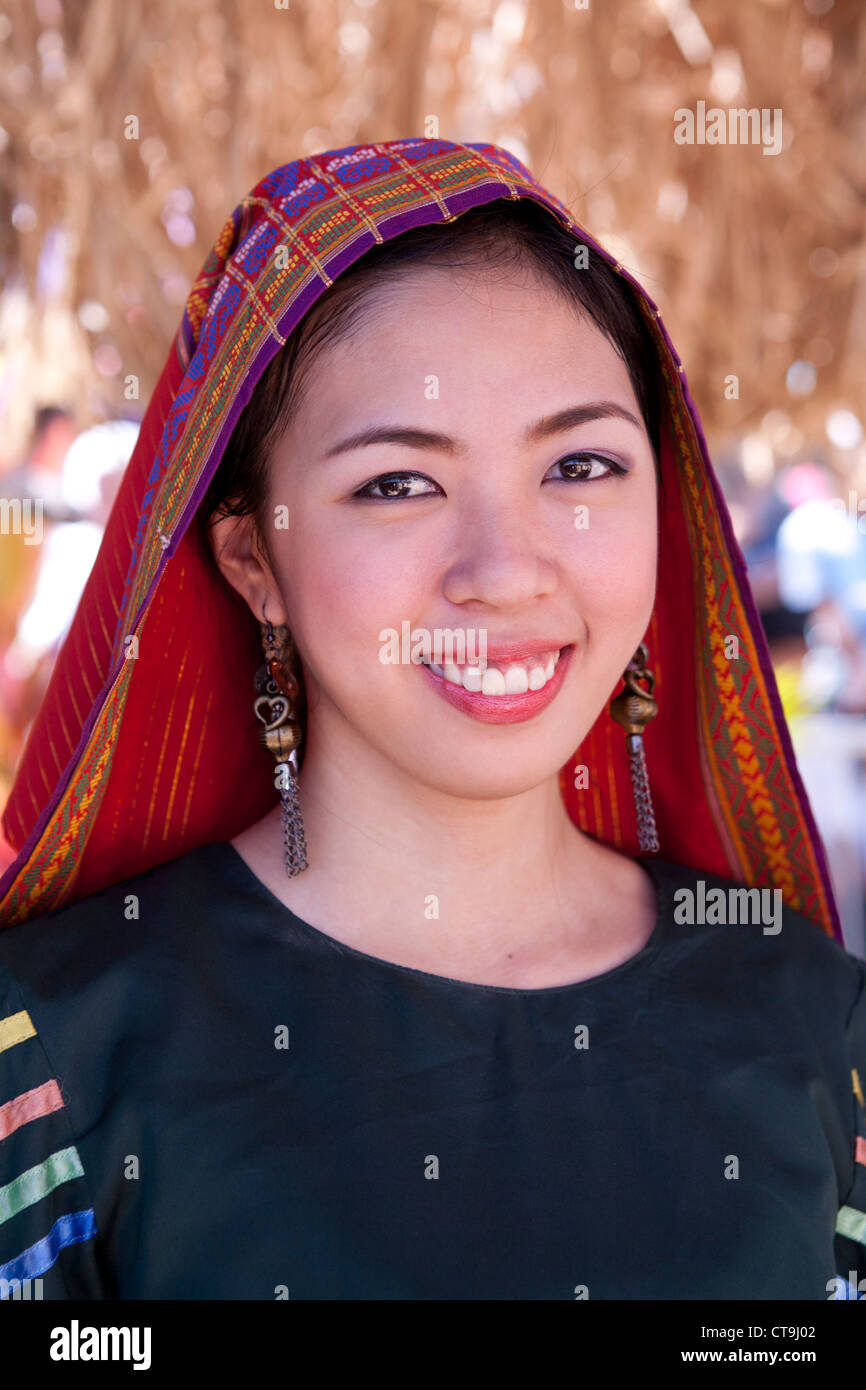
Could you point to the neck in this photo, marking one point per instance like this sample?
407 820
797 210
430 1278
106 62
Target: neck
456 886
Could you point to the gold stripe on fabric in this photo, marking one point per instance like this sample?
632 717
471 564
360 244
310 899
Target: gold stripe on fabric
15 1028
120 575
85 682
655 654
69 744
163 745
180 752
597 809
192 776
128 542
37 808
57 763
48 786
96 662
71 693
611 784
22 828
104 629
157 603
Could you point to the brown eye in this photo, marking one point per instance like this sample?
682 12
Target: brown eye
585 467
395 486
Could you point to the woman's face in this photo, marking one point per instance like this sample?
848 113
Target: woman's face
480 529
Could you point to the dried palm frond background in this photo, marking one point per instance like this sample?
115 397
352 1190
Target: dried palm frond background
128 134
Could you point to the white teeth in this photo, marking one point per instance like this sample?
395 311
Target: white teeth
493 682
516 680
512 678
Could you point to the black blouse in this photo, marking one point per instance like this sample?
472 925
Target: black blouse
204 1097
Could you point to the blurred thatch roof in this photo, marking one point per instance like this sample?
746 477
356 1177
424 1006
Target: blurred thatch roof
757 261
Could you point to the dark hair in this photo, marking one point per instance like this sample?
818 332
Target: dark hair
501 230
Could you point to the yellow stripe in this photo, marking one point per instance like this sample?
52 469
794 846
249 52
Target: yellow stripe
858 1091
15 1028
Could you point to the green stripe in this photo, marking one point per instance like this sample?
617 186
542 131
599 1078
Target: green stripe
37 1182
851 1222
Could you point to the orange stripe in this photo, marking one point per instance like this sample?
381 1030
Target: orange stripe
104 629
198 752
179 759
76 711
93 652
162 751
597 807
69 744
37 808
42 1100
611 786
57 763
48 787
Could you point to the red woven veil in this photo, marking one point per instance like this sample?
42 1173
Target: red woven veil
133 760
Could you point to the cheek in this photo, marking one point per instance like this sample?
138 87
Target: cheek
612 563
339 598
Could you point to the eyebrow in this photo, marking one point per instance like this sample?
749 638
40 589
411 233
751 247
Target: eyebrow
548 425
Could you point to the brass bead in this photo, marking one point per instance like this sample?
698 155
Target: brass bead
633 709
281 740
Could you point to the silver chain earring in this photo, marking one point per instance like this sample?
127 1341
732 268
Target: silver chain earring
633 708
275 707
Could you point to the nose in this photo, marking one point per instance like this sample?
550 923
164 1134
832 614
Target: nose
500 557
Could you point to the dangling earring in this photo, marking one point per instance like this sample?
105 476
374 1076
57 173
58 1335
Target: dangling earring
633 708
278 690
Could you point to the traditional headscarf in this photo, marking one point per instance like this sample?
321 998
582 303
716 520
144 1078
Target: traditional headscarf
135 758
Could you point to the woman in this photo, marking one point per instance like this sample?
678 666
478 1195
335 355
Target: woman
416 1002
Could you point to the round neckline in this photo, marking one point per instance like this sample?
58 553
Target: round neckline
651 867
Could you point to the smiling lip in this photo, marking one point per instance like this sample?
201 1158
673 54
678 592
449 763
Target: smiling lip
519 651
504 709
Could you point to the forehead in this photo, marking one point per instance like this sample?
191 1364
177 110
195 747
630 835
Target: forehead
480 340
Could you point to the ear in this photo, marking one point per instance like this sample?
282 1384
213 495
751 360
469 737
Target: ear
242 559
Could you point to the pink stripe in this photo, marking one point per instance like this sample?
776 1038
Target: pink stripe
860 1150
29 1106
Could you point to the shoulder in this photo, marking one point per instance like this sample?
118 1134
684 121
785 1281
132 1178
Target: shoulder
122 926
104 979
753 939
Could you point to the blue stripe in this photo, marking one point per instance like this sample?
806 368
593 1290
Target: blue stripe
36 1259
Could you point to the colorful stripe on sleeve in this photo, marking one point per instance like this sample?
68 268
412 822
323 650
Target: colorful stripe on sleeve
30 1188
